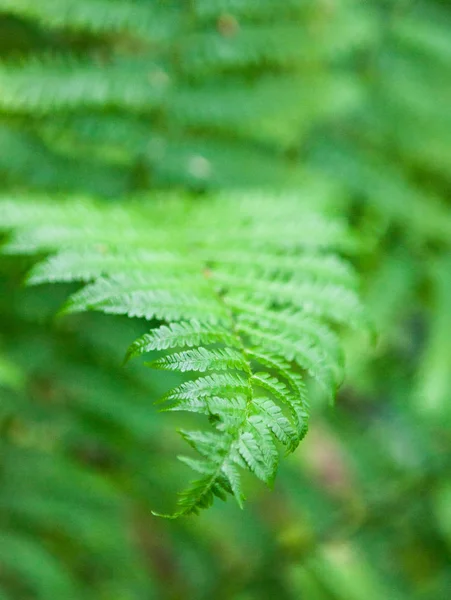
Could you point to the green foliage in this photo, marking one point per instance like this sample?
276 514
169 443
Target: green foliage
133 85
268 321
345 104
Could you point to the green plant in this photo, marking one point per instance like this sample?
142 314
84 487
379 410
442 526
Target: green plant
333 109
248 285
134 86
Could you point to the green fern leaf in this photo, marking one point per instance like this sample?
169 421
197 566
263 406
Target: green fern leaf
256 458
96 16
181 334
212 385
276 421
249 292
202 359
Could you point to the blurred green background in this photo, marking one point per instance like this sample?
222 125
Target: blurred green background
349 103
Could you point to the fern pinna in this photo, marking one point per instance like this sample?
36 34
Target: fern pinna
243 294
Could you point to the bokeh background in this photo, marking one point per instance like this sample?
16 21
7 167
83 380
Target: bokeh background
349 103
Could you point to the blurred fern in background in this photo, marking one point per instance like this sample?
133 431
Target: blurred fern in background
164 116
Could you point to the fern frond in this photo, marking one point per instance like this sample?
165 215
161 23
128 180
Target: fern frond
44 85
202 359
249 291
295 396
274 420
290 321
92 262
295 349
227 408
256 447
217 384
96 16
175 335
